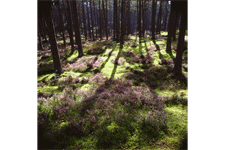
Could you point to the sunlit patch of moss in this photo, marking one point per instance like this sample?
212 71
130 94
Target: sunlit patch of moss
73 56
163 33
45 77
169 93
70 73
49 89
86 87
177 126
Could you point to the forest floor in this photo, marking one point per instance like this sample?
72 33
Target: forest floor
114 97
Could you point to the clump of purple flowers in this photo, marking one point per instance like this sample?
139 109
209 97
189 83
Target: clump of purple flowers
85 63
128 53
166 62
147 59
119 61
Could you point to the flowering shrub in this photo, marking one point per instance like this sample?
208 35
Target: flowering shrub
84 63
128 53
148 59
119 61
166 62
98 49
133 45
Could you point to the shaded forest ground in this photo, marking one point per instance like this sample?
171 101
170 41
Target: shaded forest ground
116 96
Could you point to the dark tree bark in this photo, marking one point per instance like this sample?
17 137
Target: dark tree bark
172 22
153 18
122 23
100 21
95 20
106 21
46 8
61 22
40 45
92 21
114 19
177 16
77 30
128 19
159 18
139 21
89 27
84 20
69 25
180 46
165 19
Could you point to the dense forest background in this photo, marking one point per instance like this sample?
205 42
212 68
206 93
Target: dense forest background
20 71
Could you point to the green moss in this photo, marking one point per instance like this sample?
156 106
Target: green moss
49 89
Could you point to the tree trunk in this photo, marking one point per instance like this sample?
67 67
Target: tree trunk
100 21
40 45
84 20
69 25
114 19
122 23
46 6
171 26
165 19
95 20
139 21
180 46
128 19
77 30
92 21
153 19
106 21
61 23
89 27
159 18
117 26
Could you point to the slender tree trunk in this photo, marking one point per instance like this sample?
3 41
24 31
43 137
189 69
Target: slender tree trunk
100 21
89 27
177 16
122 23
128 19
159 18
43 24
95 20
106 21
171 26
61 23
77 30
92 21
69 25
84 20
139 21
114 19
118 25
52 39
165 19
153 19
180 46
40 41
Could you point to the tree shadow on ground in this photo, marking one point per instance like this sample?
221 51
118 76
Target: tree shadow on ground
116 62
109 55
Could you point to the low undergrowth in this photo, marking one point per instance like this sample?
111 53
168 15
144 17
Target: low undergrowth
89 107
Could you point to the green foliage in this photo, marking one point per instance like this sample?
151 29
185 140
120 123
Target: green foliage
96 113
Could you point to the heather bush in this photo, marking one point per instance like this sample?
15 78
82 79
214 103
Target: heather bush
84 63
133 45
119 61
166 62
147 59
175 100
128 53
